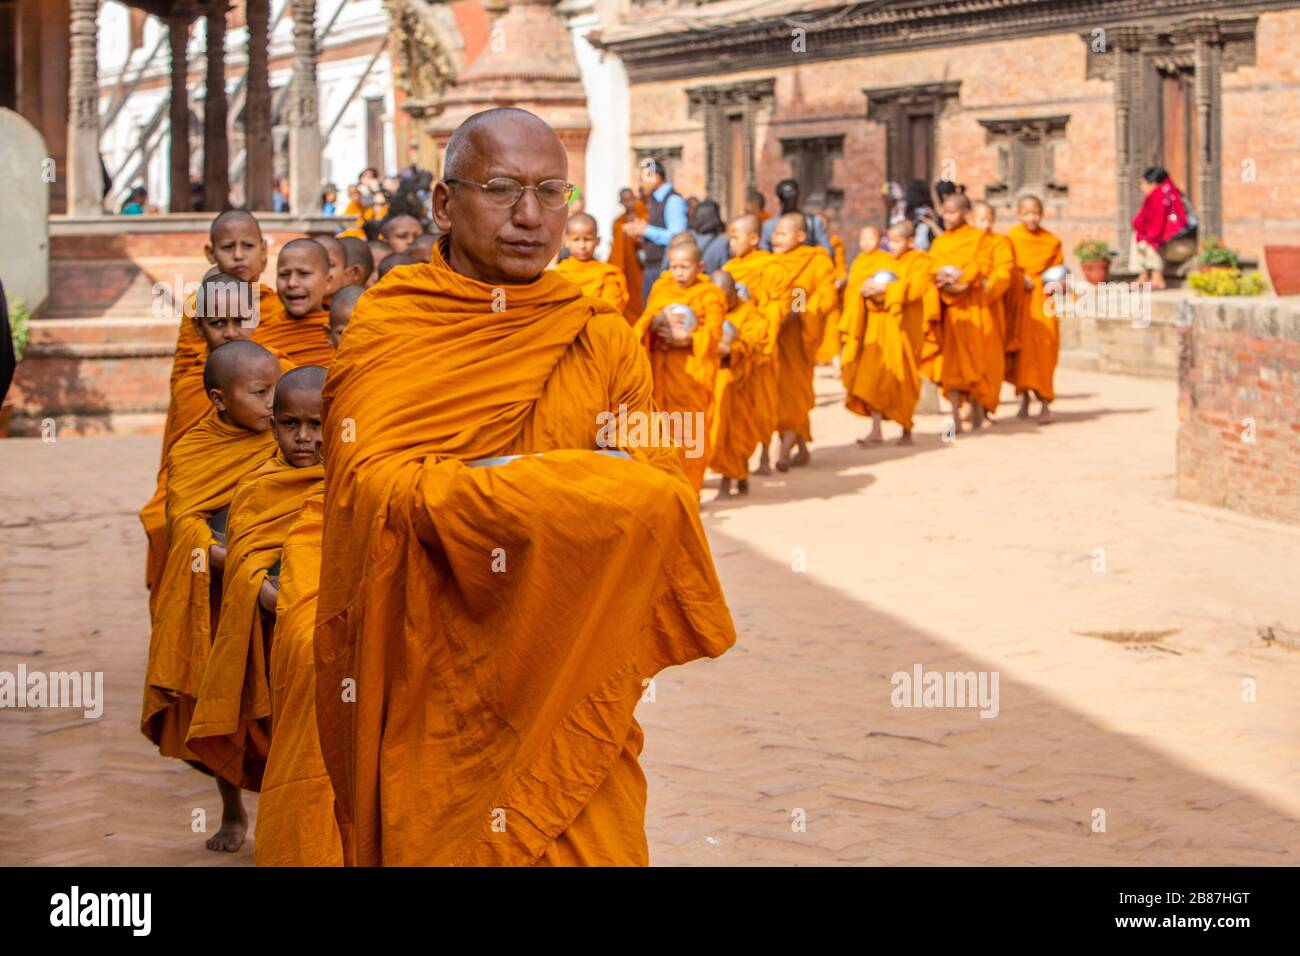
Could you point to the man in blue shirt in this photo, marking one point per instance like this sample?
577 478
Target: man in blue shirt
787 191
666 218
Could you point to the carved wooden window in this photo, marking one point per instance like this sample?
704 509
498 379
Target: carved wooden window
812 161
1025 157
670 156
910 115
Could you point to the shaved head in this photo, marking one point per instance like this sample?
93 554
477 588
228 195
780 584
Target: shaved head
396 224
344 301
467 141
235 358
422 248
795 220
582 218
357 255
747 224
903 229
310 247
232 217
395 260
724 281
958 201
305 378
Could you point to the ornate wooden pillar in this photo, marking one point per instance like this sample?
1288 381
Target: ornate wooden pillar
1127 66
257 109
216 150
178 35
304 113
85 176
1206 51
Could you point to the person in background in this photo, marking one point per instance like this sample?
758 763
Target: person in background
710 234
328 200
369 181
918 209
665 217
1163 215
136 201
280 198
754 204
787 193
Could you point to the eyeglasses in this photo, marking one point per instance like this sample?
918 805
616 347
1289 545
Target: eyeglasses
504 192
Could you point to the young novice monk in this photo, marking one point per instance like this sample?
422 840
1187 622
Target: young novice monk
302 273
600 280
400 231
746 356
879 362
230 729
379 251
1006 306
752 267
202 472
803 296
833 333
1039 334
341 311
684 362
225 309
358 262
394 260
969 280
422 247
335 278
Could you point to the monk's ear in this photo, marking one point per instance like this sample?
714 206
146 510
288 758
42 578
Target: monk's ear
217 398
207 251
441 199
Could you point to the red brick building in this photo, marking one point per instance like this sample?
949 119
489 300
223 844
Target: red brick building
1069 99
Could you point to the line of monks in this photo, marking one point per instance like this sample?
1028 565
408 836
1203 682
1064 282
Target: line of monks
395 587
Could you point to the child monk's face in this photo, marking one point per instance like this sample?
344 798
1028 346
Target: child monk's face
954 214
742 240
248 398
338 322
787 236
1030 213
983 217
239 249
422 248
627 199
218 329
684 264
300 280
297 427
899 241
401 233
338 267
581 238
869 239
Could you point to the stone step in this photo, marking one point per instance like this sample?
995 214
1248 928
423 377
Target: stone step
120 288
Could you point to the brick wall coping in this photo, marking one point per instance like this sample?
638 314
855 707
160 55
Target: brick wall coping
1262 318
187 223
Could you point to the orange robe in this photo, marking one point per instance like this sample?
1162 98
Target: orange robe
499 648
622 253
303 340
758 273
202 471
736 428
972 342
1039 334
600 280
834 330
878 364
230 727
295 812
805 278
684 377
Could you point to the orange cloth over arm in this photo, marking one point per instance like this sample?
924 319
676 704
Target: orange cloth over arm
295 813
599 280
1039 334
229 730
972 342
736 430
622 255
758 273
830 346
202 471
498 648
803 281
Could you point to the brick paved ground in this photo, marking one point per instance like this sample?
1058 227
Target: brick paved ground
975 556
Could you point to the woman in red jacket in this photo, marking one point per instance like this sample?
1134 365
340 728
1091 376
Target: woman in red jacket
1161 217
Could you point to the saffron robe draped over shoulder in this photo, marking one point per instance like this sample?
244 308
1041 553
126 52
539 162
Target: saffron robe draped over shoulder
295 813
879 363
623 255
202 471
803 281
1039 333
497 622
600 280
761 276
972 342
736 430
834 330
230 727
303 340
684 377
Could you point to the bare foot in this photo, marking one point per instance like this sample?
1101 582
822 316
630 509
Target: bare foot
230 837
906 439
763 468
875 438
743 486
1044 415
802 458
782 465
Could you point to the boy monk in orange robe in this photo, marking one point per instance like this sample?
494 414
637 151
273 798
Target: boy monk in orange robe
422 248
1039 334
600 280
335 278
400 231
623 253
969 280
752 268
202 472
301 277
885 323
341 311
1006 307
834 330
224 310
745 350
379 251
230 728
358 262
685 361
803 295
476 688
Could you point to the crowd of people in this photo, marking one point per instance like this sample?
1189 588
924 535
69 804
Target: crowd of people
401 580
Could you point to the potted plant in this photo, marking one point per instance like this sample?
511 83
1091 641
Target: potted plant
19 331
1223 280
1214 255
1094 258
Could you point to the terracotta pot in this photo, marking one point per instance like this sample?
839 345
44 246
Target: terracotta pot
1096 272
1283 268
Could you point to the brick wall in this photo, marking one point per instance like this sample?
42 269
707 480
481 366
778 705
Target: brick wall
1239 407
